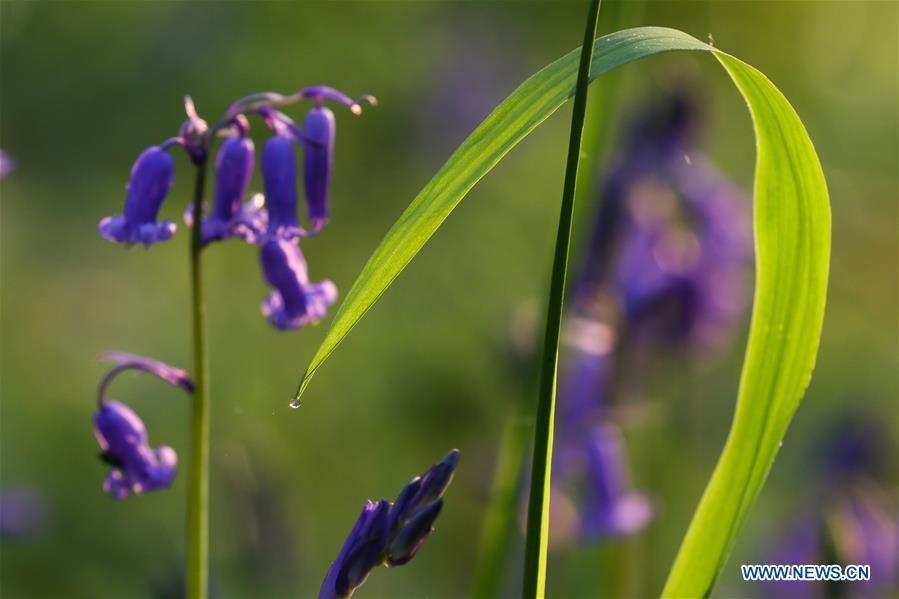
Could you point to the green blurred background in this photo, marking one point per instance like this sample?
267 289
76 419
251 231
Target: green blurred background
85 86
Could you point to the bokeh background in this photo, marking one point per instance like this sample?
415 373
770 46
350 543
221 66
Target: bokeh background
85 86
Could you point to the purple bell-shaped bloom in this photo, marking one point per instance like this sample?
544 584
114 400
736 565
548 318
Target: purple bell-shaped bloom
612 509
151 180
135 466
230 214
295 301
318 157
279 175
390 534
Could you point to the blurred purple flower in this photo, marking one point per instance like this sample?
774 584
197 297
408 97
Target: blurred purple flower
611 508
866 531
23 512
801 545
390 534
151 179
295 301
676 231
590 452
7 164
850 520
682 266
135 466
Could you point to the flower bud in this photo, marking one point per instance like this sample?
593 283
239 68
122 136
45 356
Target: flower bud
413 534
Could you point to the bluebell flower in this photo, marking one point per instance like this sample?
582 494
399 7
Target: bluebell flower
611 507
390 534
865 530
802 544
295 301
682 268
230 215
318 157
151 180
672 239
135 467
279 175
847 517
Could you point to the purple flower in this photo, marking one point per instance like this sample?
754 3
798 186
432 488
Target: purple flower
866 531
135 466
23 512
390 534
318 156
295 301
361 552
802 545
151 179
612 509
682 268
230 214
279 175
672 239
7 164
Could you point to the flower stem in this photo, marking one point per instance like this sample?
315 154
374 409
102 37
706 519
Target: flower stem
538 505
198 475
500 521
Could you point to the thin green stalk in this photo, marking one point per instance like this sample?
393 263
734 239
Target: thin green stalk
538 505
499 522
198 475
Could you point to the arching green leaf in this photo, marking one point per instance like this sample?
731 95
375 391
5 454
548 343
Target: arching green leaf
792 237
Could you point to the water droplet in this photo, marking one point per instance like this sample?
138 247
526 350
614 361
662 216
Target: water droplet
297 403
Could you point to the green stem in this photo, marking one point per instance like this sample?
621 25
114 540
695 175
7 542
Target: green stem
499 522
198 475
538 504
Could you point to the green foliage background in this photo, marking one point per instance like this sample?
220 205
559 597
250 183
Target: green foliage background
85 86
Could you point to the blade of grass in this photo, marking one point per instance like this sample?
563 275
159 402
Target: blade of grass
792 225
792 251
534 581
519 114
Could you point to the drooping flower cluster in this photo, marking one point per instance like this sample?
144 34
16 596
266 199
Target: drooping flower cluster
270 219
135 467
666 265
388 533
